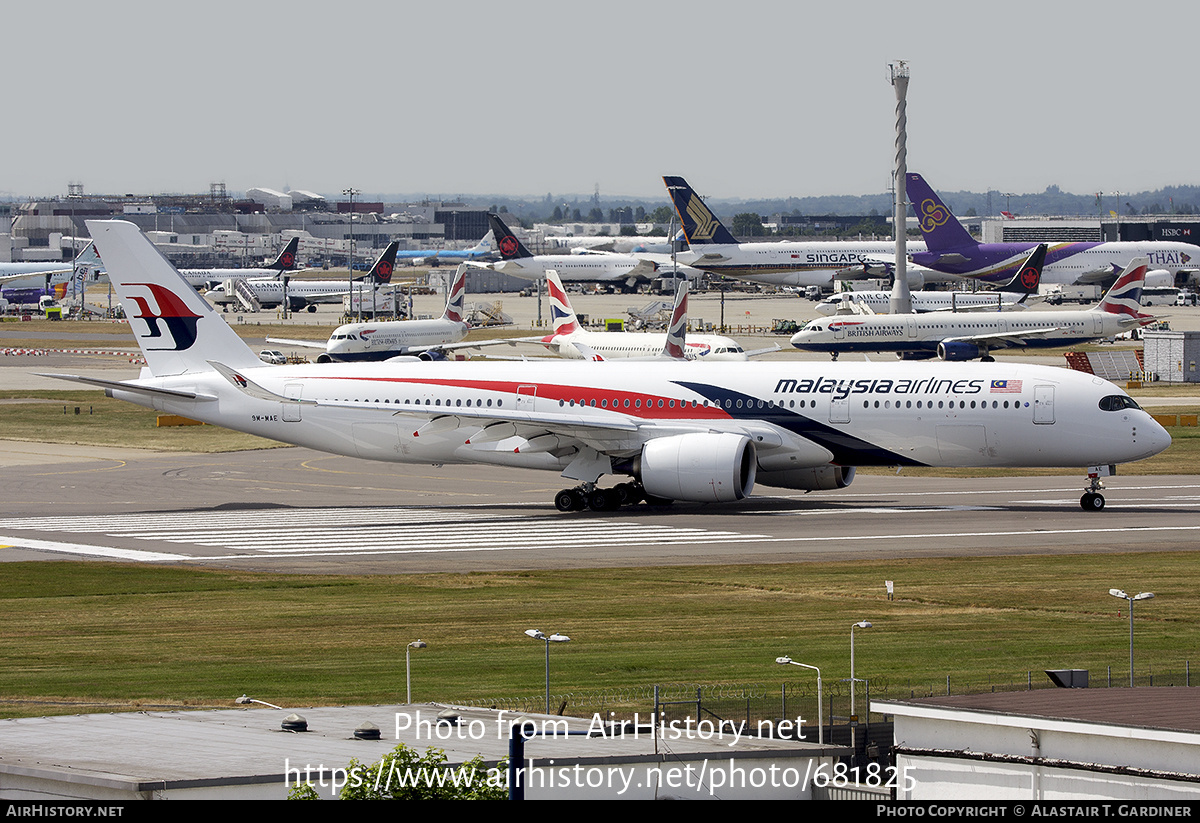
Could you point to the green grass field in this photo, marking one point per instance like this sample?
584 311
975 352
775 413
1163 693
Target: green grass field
102 636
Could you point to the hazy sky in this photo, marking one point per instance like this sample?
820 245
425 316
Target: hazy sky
754 99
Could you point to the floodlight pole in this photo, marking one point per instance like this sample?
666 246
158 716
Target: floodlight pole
786 661
537 634
416 644
1121 595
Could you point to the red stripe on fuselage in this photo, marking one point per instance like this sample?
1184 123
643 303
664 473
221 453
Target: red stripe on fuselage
641 404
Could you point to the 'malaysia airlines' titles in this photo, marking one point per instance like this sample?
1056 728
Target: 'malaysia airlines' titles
841 389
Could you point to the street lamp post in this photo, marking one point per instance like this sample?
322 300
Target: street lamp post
1119 593
785 661
862 624
416 644
352 193
537 634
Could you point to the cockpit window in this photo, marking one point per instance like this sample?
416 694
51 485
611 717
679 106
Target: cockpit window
1116 402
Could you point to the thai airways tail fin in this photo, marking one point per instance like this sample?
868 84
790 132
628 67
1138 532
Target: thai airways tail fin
561 313
940 228
385 264
510 247
457 296
1029 274
1125 296
177 330
700 225
676 345
286 261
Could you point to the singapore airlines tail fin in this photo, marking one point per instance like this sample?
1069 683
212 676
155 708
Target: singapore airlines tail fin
178 331
286 261
676 345
456 299
561 313
510 247
700 226
1125 296
940 228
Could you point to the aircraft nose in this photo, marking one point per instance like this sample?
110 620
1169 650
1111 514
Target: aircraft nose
1157 438
797 338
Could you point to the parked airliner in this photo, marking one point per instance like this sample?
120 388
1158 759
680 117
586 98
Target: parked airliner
784 262
285 261
951 249
682 431
572 341
953 336
384 340
601 267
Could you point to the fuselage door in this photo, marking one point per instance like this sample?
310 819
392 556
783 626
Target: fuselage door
839 410
1043 404
526 395
291 411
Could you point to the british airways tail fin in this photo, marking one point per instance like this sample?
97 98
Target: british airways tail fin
385 264
700 225
676 345
939 227
456 298
1125 296
561 313
286 261
177 330
510 247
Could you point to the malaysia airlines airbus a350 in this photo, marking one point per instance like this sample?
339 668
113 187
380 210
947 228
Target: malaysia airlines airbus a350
703 432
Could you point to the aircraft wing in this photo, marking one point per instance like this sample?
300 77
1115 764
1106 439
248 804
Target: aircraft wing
120 385
33 275
768 350
306 344
1101 275
1003 339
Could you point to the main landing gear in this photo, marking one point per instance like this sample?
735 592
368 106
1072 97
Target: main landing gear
589 496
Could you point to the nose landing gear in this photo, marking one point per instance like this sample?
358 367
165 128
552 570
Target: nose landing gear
1093 500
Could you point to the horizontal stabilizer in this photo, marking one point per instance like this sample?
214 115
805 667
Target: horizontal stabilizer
117 385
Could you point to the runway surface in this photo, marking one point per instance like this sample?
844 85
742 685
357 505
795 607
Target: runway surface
297 511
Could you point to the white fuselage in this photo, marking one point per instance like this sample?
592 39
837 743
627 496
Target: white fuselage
575 268
269 292
923 332
792 263
616 345
880 302
383 340
799 415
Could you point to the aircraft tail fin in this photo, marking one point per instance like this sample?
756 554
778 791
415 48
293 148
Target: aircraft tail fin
939 227
1029 274
700 225
486 245
177 330
286 261
1125 296
457 296
381 271
676 345
510 247
561 313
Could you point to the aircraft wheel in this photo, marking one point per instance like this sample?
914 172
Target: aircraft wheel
1092 502
565 500
987 358
604 500
629 494
312 309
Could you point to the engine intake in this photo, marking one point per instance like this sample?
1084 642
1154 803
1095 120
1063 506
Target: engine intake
701 467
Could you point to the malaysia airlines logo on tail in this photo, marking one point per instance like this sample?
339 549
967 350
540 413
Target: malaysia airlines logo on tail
180 321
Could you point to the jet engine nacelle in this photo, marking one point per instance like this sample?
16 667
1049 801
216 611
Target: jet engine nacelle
958 351
702 467
296 303
1159 279
821 478
433 354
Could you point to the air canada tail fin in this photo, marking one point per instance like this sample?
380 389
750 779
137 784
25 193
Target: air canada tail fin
561 313
457 296
177 330
700 225
676 345
939 227
1029 274
381 272
510 247
286 261
1125 296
